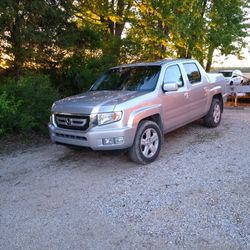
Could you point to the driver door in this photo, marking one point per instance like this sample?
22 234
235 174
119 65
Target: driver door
175 103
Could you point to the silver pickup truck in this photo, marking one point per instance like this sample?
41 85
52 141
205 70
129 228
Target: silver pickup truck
132 106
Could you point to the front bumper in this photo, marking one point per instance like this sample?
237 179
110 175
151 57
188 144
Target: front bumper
93 138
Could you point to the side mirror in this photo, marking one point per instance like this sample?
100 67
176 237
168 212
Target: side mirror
234 76
171 86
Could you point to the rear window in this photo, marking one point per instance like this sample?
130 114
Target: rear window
226 74
193 72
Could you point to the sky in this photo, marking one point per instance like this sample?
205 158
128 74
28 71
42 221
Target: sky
231 60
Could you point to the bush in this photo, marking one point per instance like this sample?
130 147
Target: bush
78 73
8 113
25 105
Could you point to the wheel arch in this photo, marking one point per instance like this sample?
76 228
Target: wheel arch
220 98
154 118
151 113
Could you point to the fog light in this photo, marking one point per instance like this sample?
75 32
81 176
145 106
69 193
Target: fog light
107 141
114 140
119 140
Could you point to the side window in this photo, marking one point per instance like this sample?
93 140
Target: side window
193 72
173 75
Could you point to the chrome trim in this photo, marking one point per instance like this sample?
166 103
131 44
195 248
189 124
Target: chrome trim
70 114
71 121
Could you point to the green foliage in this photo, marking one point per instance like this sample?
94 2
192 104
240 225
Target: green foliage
189 28
51 34
8 112
25 106
74 41
78 73
30 32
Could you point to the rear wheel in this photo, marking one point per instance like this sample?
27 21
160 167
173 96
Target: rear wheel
213 117
147 143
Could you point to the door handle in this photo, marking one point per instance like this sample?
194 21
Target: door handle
186 94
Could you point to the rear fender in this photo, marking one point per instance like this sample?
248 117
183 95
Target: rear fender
215 91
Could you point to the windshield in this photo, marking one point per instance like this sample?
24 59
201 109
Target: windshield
139 78
226 74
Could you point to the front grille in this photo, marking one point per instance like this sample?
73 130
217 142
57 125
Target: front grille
74 122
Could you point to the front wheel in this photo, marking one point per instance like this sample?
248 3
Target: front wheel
213 117
147 143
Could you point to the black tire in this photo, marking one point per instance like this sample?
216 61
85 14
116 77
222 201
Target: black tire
213 117
147 143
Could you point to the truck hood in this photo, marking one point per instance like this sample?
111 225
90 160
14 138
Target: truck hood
94 101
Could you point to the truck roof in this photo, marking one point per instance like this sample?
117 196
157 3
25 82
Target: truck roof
156 63
227 70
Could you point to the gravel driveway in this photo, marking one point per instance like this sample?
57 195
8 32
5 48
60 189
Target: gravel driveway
195 196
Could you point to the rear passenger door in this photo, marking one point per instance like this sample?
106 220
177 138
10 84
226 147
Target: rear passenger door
198 91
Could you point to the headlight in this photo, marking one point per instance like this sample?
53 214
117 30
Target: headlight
52 119
106 118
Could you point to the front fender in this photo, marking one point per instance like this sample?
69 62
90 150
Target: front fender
137 115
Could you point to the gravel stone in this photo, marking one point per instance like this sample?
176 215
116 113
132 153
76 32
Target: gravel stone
194 196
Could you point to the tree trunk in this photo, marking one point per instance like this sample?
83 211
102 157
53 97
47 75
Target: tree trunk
119 26
204 4
17 69
17 43
111 24
210 57
188 52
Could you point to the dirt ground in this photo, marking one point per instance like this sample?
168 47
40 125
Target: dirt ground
194 196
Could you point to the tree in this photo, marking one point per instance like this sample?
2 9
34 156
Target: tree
29 31
151 27
52 34
165 28
188 28
109 16
226 28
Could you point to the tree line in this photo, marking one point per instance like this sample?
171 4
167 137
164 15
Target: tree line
73 40
55 48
